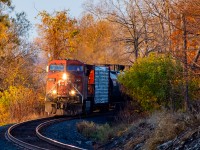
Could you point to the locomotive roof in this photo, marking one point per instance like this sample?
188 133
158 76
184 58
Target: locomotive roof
66 60
113 66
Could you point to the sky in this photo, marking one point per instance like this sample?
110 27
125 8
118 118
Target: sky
33 7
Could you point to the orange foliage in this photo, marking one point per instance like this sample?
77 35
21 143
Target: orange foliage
57 33
96 41
191 10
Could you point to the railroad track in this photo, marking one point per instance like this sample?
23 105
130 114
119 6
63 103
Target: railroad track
27 135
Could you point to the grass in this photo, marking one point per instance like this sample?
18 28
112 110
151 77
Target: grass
92 130
153 130
167 126
106 132
100 133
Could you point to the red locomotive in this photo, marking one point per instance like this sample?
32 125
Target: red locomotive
75 87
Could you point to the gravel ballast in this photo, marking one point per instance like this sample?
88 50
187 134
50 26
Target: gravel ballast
66 132
4 143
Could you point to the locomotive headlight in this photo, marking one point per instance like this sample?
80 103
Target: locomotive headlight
72 92
64 77
54 92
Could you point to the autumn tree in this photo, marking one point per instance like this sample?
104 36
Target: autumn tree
57 34
134 24
167 27
179 22
7 2
97 41
19 96
4 23
189 31
13 49
177 17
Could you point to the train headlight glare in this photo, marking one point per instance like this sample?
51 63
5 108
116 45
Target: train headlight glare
72 92
64 77
54 91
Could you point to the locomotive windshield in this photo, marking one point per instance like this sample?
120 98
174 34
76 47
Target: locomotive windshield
56 67
74 68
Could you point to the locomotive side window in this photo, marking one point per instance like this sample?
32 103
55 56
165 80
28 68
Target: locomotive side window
74 68
56 68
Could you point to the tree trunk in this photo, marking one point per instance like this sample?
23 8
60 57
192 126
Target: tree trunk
185 64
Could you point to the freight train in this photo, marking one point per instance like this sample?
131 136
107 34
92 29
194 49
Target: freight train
74 87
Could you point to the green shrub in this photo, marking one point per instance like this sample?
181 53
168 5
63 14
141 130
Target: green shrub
154 82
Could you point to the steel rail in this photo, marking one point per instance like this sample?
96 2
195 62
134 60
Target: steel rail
52 141
38 127
21 143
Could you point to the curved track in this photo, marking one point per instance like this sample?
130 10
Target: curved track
49 140
27 135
